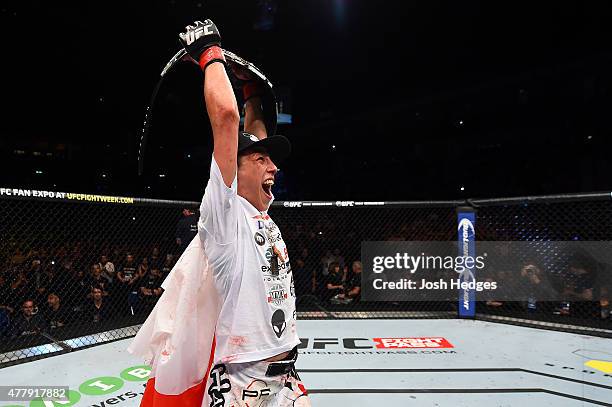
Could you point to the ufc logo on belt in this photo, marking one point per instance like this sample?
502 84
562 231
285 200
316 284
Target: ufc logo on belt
255 393
192 35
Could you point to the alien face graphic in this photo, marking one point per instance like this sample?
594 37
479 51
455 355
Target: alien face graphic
278 323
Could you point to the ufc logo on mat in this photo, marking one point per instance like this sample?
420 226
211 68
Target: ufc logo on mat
219 385
193 34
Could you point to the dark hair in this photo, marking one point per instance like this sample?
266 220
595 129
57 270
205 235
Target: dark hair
251 150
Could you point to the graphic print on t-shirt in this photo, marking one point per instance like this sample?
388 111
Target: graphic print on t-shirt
277 275
277 294
278 322
219 385
260 239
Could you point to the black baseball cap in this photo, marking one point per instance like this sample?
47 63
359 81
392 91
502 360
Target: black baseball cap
277 146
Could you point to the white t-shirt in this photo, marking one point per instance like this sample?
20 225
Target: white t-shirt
242 244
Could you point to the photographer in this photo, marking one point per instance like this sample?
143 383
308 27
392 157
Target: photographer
534 281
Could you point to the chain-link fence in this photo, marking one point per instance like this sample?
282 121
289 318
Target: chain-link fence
74 266
578 224
78 270
324 239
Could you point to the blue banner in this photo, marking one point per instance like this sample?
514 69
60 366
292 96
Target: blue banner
466 238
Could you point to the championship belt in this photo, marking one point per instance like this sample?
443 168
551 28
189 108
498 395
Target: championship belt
268 98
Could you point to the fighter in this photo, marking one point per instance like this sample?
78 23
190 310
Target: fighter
244 263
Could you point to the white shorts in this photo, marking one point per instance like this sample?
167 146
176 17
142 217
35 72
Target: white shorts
247 385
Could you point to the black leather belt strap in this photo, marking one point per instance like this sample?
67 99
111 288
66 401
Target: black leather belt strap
284 366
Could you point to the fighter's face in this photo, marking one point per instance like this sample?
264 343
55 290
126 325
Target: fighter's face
256 174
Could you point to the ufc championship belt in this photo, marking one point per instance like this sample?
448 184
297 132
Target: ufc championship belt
268 98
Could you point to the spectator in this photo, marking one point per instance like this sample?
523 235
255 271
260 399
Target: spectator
127 277
326 261
338 258
55 313
33 275
310 265
95 279
43 280
33 255
150 288
19 288
18 258
534 283
4 293
186 229
155 260
167 266
76 256
97 310
605 290
334 286
64 278
580 287
5 307
10 273
29 322
127 273
77 290
108 268
353 284
143 268
604 302
116 253
304 274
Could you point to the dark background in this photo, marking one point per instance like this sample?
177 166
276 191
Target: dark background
390 100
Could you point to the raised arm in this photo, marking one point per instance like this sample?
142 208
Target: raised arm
203 43
254 122
254 118
224 118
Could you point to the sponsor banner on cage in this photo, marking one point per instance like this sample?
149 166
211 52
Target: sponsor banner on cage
541 275
18 193
339 204
380 346
466 241
405 343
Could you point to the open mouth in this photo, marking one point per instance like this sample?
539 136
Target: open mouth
267 187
